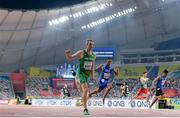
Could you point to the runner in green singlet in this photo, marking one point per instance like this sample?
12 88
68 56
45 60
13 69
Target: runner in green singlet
85 70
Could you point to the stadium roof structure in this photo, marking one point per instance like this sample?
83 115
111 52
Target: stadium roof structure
38 35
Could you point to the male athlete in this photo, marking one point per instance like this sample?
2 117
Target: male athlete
85 70
143 88
106 74
161 80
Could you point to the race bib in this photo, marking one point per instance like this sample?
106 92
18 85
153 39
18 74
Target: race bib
102 80
107 75
88 65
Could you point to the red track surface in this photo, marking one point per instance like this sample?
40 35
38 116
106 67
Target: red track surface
45 111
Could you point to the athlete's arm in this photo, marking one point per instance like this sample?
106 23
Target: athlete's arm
116 73
71 57
99 66
93 65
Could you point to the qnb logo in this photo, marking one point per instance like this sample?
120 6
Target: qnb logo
89 103
97 103
139 104
52 102
110 103
133 104
142 104
119 103
175 101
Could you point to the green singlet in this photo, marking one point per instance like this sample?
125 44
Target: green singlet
143 85
85 67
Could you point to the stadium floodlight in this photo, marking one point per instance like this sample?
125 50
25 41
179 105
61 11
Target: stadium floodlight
54 22
93 9
122 13
127 11
130 10
63 19
102 6
110 17
85 11
50 23
88 26
88 10
77 14
98 22
114 15
80 14
107 4
83 27
96 9
103 20
119 14
74 15
107 18
94 23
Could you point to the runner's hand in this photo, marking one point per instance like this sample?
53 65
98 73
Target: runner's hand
67 51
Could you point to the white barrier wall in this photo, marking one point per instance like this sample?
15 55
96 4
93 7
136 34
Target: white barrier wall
119 103
54 102
109 103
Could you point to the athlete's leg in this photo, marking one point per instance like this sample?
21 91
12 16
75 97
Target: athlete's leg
85 97
98 90
109 87
159 94
136 96
147 97
79 88
154 101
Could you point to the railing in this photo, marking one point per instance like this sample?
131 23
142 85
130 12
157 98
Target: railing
12 89
149 56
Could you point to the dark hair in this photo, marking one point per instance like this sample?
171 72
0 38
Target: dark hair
88 40
165 71
144 73
109 59
125 83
